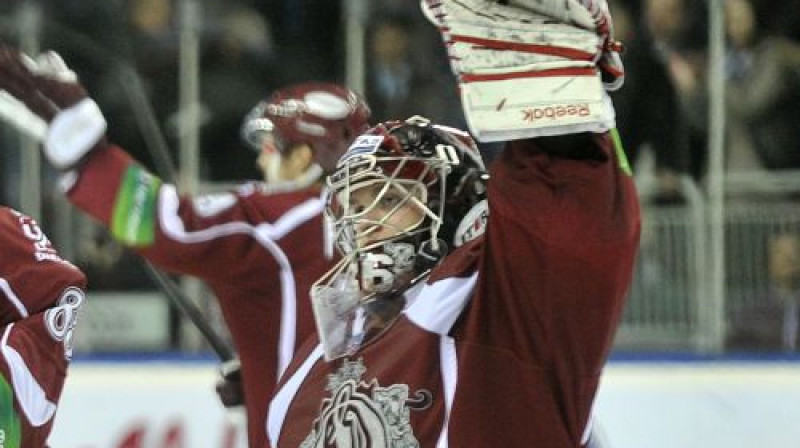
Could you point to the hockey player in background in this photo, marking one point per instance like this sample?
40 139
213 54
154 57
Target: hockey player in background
40 298
445 325
259 248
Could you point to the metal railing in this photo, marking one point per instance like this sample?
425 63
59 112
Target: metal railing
669 307
663 310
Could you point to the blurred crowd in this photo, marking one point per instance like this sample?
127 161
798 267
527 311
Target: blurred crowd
663 118
664 105
250 47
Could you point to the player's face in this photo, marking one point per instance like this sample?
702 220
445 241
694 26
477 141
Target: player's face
385 213
268 159
275 165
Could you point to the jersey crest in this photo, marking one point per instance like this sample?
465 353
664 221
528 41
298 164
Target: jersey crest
362 414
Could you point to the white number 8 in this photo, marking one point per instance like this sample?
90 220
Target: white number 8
61 320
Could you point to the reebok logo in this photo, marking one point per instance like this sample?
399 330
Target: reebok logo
533 114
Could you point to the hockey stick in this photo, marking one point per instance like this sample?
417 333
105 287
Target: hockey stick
191 311
18 115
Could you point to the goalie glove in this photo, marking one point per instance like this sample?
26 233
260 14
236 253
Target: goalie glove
531 68
51 91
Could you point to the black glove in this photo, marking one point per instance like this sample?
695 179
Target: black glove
229 385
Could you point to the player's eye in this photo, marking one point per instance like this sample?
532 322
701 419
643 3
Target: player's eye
390 200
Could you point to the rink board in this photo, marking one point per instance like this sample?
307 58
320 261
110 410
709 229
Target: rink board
700 405
144 405
640 405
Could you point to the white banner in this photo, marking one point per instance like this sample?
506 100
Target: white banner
700 405
145 405
640 405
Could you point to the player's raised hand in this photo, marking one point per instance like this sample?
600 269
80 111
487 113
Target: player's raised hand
49 89
56 81
18 81
530 68
609 60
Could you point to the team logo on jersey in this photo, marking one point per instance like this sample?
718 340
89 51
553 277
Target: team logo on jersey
363 145
43 249
473 224
361 414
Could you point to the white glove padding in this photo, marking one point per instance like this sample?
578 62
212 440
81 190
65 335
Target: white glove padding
73 133
526 70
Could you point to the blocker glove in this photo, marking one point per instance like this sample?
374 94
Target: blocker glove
50 90
529 68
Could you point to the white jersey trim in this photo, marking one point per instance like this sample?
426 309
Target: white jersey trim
265 234
279 405
589 430
439 304
449 370
6 288
29 394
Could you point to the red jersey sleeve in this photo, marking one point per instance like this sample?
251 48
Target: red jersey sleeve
207 236
566 231
554 272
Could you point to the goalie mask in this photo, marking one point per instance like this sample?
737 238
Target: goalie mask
400 198
325 116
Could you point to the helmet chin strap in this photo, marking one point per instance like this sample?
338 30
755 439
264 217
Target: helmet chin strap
432 250
429 254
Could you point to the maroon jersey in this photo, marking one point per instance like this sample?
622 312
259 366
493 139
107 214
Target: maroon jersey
40 295
505 342
258 252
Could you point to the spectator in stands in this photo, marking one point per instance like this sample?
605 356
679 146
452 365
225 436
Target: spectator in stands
403 80
307 37
763 97
237 65
784 268
676 29
649 114
762 70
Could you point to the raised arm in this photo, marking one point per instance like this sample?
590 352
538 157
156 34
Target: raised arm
101 179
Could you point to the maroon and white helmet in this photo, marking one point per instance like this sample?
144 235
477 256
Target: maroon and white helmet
387 248
439 166
326 116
